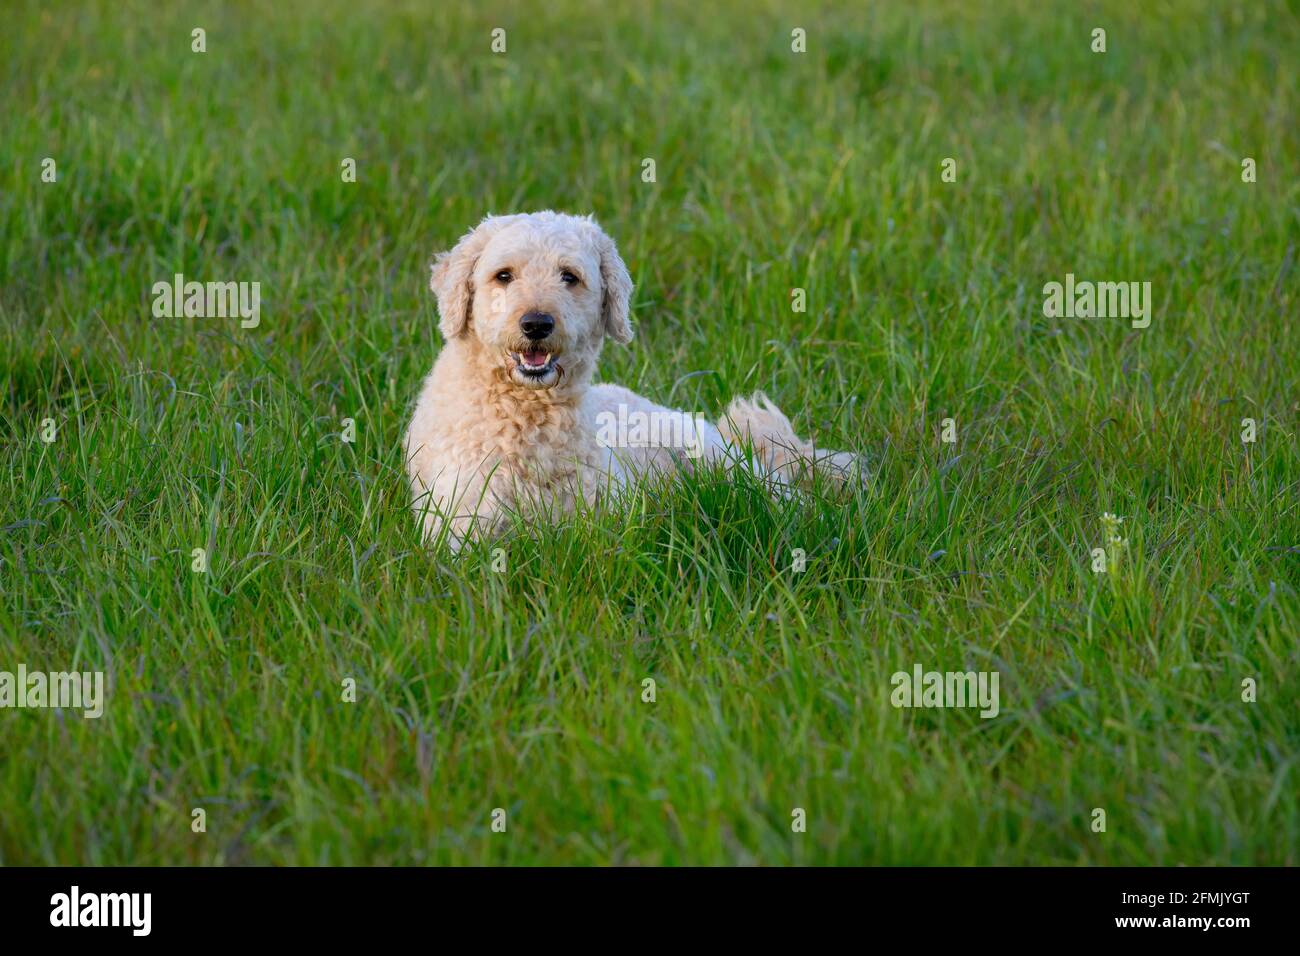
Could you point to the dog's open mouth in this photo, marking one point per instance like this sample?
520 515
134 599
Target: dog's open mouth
535 364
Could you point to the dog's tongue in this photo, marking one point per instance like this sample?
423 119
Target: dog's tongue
536 359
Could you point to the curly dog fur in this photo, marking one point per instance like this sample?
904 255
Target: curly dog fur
508 419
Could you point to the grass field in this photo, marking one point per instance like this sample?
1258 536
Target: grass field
522 689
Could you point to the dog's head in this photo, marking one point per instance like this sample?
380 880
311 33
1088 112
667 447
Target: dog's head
538 292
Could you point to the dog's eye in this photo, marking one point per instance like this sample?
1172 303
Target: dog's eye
503 276
568 278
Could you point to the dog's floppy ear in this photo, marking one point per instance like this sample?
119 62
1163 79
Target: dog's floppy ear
452 279
618 290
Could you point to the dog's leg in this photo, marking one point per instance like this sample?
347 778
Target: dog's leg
463 506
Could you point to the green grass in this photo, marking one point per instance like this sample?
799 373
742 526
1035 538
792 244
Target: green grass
522 689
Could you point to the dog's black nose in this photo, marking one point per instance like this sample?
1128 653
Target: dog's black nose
537 325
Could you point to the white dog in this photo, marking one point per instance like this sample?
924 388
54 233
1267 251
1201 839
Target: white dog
509 420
